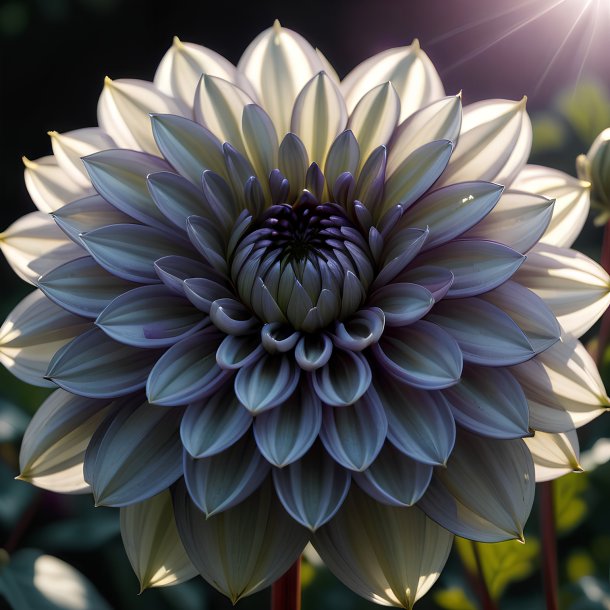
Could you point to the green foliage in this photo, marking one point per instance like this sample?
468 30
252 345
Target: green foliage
570 505
503 562
587 109
13 422
454 598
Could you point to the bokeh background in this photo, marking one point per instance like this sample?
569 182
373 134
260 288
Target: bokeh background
54 55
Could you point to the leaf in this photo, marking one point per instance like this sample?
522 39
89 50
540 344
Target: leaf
13 422
453 598
503 562
570 505
34 580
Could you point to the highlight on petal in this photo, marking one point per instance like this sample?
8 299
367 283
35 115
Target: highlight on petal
34 244
124 109
243 549
277 64
32 333
571 201
408 69
135 454
554 454
223 480
562 386
575 287
487 490
152 543
387 554
181 68
354 434
53 448
313 488
285 433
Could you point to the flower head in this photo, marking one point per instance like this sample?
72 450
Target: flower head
338 311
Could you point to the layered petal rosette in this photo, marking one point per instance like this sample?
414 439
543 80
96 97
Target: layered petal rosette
279 307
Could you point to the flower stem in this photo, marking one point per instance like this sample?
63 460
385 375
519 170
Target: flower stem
480 584
604 331
549 545
286 590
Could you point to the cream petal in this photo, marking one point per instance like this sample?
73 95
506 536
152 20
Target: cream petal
313 488
261 142
571 201
34 244
49 186
219 106
494 143
124 109
554 454
487 490
319 116
70 147
408 69
387 554
277 64
440 120
181 68
32 333
374 118
53 448
575 287
221 481
243 549
135 454
562 386
152 543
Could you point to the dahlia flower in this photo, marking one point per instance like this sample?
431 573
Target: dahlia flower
279 307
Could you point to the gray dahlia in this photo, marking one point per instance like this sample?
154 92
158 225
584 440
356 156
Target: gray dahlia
279 307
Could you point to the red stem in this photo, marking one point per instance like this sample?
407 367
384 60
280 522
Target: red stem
604 331
549 545
286 590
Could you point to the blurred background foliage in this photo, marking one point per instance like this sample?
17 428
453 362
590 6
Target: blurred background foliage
59 552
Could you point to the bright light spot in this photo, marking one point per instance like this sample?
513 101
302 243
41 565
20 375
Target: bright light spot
60 583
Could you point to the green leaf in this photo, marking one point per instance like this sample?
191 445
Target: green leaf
34 580
587 109
503 562
454 598
570 505
13 422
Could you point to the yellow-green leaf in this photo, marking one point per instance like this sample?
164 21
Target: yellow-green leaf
454 598
570 505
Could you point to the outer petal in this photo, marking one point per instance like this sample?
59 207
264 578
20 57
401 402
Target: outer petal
152 543
32 333
182 66
49 186
243 549
53 448
487 490
575 287
124 108
389 555
562 386
571 201
221 481
277 64
313 488
408 69
494 143
554 454
135 454
85 365
34 244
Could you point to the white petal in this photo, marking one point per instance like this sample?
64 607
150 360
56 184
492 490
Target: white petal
49 186
562 386
182 66
408 68
152 543
575 287
571 201
34 244
124 110
277 64
554 454
70 147
53 448
387 554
